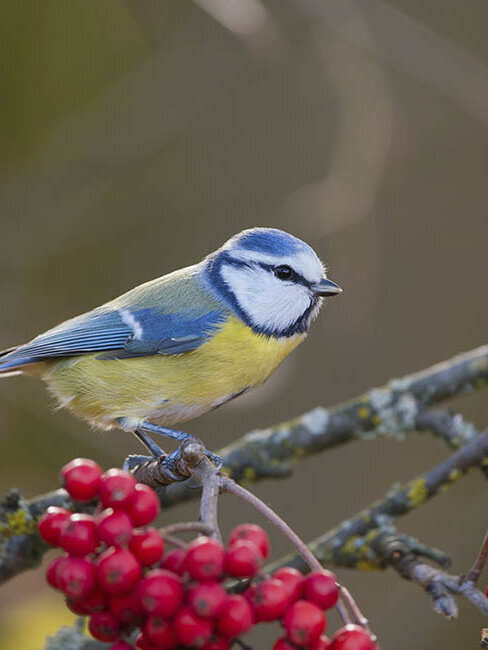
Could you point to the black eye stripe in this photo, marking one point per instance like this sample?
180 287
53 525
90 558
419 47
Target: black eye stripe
296 277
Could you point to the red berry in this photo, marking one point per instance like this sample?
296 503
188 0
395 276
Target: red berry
304 622
77 607
236 617
269 599
161 593
141 643
118 571
117 488
292 581
160 632
50 523
284 644
218 643
79 535
147 545
192 630
52 571
352 637
144 507
114 527
121 645
206 599
320 587
127 607
204 558
322 643
104 626
243 559
252 533
96 601
76 577
175 561
81 478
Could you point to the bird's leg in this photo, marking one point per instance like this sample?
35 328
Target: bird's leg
149 443
169 460
134 460
180 436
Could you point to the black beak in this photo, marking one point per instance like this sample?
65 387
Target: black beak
326 288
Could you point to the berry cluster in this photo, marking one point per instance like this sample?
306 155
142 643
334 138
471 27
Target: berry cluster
116 572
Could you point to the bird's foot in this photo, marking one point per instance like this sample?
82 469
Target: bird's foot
135 460
172 461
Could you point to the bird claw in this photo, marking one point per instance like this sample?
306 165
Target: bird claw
216 460
135 460
170 463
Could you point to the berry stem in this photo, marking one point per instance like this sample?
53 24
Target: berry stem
187 526
342 611
357 615
475 571
174 541
231 487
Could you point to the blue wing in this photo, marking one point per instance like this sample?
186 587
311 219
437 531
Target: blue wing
118 334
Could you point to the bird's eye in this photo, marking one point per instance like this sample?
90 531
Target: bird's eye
284 272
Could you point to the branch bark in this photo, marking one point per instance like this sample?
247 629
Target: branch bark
351 544
392 410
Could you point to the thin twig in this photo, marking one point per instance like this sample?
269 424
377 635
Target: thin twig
227 485
475 571
359 617
187 527
175 541
343 612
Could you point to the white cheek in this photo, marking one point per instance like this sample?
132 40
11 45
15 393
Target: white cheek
270 303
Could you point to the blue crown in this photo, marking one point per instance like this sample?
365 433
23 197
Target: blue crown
269 240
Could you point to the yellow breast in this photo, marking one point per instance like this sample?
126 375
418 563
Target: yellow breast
169 389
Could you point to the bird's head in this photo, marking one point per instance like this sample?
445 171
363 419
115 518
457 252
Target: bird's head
274 281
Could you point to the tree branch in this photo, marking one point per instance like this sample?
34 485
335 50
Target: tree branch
392 410
351 543
440 586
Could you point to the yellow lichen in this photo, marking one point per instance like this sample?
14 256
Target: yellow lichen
17 523
455 474
367 565
417 492
364 412
352 544
250 475
372 534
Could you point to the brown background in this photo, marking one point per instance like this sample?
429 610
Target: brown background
135 137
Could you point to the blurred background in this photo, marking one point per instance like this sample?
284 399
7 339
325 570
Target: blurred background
137 135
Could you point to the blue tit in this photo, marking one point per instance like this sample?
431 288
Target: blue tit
176 347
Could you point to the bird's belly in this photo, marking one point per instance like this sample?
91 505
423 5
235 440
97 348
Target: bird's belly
168 389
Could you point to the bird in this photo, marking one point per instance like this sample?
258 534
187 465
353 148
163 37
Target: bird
183 344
